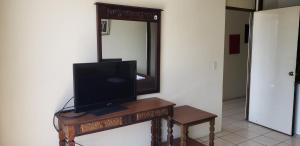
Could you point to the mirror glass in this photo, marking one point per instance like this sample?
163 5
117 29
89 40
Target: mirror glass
133 40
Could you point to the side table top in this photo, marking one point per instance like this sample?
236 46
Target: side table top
138 106
187 115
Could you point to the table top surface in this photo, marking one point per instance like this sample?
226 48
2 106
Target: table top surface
185 115
132 108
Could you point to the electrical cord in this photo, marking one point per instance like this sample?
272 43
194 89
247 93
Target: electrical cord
59 112
62 110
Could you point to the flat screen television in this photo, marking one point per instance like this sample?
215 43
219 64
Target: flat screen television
104 85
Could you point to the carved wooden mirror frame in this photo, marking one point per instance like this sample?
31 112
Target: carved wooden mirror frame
131 13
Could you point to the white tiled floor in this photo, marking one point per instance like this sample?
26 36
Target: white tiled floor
238 132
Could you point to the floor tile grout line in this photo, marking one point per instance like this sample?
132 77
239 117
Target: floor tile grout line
281 143
274 138
250 139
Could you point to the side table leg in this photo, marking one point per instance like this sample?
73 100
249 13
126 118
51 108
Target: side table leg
184 136
212 132
158 131
170 131
61 138
154 132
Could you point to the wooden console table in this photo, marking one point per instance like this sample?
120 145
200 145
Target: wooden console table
153 109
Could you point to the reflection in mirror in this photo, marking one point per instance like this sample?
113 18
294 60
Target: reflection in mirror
118 44
134 40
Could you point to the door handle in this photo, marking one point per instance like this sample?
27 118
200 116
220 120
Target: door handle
291 73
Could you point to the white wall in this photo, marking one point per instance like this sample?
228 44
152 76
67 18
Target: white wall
127 40
235 65
42 38
247 4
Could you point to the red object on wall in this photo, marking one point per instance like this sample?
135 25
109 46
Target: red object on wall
234 44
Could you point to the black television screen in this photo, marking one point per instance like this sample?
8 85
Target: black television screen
100 85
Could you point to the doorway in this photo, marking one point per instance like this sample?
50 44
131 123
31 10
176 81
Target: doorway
235 63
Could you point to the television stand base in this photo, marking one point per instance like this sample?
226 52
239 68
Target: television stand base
107 110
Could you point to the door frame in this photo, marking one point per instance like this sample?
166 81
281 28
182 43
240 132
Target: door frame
259 7
295 94
249 65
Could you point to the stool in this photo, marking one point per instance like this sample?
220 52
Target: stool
186 116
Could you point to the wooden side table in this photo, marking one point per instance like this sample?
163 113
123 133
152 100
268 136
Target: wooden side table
186 116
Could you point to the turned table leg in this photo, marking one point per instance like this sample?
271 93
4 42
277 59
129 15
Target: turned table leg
61 135
61 138
170 131
70 135
154 132
158 131
184 136
212 132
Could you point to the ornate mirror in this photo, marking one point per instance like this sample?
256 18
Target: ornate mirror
131 33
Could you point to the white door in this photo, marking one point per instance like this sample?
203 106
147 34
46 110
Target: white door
274 52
